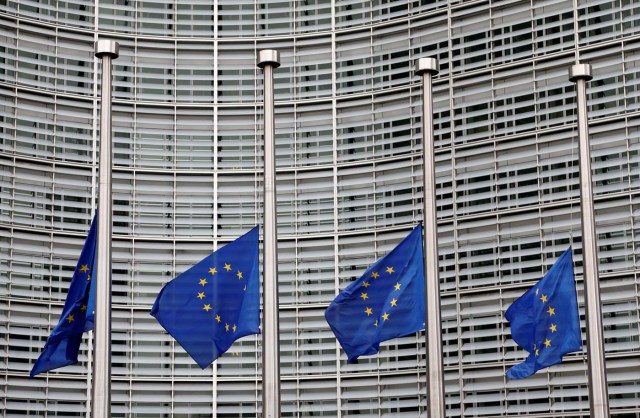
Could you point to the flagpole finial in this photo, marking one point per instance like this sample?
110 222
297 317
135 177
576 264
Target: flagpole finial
427 65
107 47
580 72
268 57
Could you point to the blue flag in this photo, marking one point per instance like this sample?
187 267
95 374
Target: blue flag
545 320
386 302
215 302
61 349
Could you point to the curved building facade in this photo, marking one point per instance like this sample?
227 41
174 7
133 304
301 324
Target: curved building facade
187 178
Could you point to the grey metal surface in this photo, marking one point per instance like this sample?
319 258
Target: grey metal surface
270 321
598 394
268 57
107 47
101 384
427 68
579 72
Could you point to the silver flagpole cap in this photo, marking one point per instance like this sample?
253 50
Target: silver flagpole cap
107 47
268 56
427 65
580 71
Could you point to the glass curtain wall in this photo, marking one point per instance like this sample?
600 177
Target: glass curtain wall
187 132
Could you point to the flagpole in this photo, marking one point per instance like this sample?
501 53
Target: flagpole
427 68
101 391
269 59
598 396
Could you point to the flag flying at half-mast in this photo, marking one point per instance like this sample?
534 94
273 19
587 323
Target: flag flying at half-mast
215 302
62 346
545 320
385 303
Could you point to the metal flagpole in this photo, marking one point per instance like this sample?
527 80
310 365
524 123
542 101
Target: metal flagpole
101 392
269 59
427 68
598 396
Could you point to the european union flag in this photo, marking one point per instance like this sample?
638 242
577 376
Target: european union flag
61 349
545 320
215 302
386 302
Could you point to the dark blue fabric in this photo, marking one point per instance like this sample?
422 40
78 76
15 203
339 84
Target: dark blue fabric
215 302
545 320
385 303
62 346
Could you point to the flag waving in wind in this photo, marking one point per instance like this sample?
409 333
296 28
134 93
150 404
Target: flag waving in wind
386 302
545 320
215 302
61 349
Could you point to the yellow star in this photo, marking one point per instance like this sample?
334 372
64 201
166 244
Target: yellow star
226 327
207 307
213 270
375 324
553 328
366 284
84 268
239 275
537 291
385 316
397 286
234 328
88 277
227 266
200 295
543 298
364 296
390 270
83 308
218 318
547 342
203 281
368 311
244 288
70 318
394 302
551 311
375 274
537 352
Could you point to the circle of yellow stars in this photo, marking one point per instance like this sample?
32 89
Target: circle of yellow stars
207 306
84 269
553 327
365 295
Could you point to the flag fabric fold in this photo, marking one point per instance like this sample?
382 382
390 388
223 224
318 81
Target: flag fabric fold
62 346
545 320
386 302
215 302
